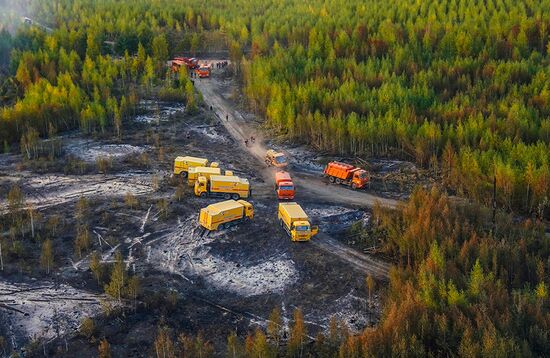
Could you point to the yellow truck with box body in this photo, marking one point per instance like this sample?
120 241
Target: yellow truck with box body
196 172
225 186
224 214
182 164
296 222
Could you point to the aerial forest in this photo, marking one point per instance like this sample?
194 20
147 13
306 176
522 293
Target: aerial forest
459 87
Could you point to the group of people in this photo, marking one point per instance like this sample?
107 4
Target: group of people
252 140
221 64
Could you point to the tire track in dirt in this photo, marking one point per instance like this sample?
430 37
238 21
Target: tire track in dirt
235 124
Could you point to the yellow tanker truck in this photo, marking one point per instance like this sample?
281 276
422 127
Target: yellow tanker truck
196 172
225 186
224 214
182 164
296 222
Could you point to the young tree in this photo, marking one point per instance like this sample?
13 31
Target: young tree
104 349
164 345
274 325
46 256
369 281
96 266
298 335
115 288
234 347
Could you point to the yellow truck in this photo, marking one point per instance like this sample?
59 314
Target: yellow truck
296 222
224 214
196 172
276 159
182 164
225 186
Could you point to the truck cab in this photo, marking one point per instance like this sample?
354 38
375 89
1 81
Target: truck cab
203 71
296 222
360 178
201 186
277 159
284 186
302 231
248 209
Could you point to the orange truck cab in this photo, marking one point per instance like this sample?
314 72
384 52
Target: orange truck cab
203 71
284 186
346 174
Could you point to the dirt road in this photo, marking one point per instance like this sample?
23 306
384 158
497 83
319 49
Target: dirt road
313 186
237 126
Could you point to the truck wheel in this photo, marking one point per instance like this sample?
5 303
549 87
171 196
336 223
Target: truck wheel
281 222
235 196
227 196
183 174
221 227
331 179
353 186
338 181
203 194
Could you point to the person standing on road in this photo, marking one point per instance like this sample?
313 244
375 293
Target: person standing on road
227 117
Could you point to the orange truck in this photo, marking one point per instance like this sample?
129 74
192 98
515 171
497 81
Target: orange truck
191 63
203 71
284 186
347 174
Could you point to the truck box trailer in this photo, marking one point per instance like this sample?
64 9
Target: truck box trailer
296 222
346 174
284 186
195 172
225 186
182 164
226 213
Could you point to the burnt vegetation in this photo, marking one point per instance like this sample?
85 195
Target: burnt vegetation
460 87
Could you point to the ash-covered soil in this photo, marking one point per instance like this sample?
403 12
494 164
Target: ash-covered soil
220 281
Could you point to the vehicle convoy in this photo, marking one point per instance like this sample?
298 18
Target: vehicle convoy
203 71
347 174
296 222
182 164
190 62
225 213
196 172
284 186
225 186
275 159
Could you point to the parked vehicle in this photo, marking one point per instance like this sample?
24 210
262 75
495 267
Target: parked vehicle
346 174
225 186
182 164
224 214
296 222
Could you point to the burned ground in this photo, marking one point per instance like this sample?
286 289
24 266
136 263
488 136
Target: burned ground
192 281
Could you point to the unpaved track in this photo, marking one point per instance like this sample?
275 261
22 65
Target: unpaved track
237 126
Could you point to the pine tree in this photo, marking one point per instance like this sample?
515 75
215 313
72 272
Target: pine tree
115 288
46 256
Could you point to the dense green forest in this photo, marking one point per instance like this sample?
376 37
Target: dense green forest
461 86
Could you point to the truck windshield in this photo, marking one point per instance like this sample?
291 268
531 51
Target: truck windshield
280 159
363 175
302 228
286 187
